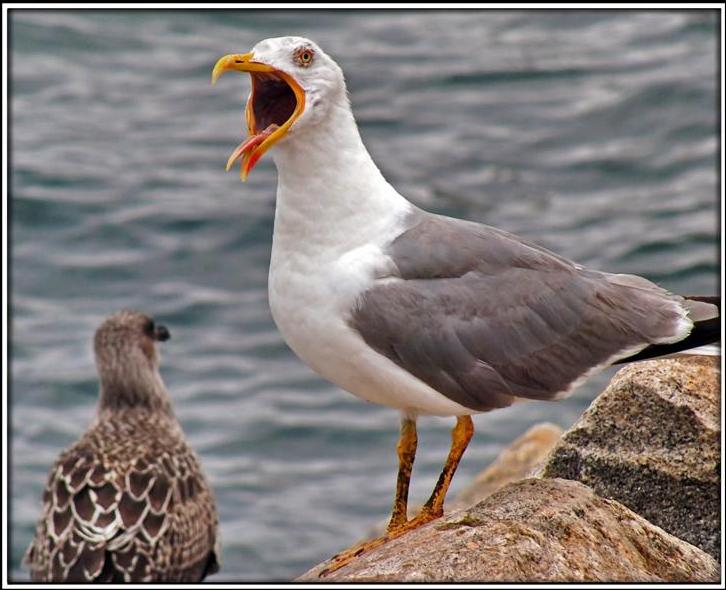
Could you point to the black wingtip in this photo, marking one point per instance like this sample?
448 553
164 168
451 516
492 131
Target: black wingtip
703 333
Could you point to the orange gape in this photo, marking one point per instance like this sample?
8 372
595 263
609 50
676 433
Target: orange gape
253 148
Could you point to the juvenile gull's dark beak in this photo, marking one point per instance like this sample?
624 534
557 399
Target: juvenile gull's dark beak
161 334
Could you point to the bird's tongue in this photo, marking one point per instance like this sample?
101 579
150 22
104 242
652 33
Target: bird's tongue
247 147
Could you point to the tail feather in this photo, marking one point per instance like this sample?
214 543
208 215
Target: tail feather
704 332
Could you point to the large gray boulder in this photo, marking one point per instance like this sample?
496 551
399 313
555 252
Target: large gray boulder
651 441
535 530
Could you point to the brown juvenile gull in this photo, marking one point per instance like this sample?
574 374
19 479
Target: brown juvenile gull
421 312
128 502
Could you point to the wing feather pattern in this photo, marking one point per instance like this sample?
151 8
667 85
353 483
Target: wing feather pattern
125 509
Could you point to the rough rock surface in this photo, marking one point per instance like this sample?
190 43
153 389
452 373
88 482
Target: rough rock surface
651 441
549 530
515 462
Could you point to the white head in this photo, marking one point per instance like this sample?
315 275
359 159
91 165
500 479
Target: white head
294 86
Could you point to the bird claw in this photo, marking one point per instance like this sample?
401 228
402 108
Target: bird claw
344 558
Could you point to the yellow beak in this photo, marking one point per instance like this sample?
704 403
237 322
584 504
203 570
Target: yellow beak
242 62
259 140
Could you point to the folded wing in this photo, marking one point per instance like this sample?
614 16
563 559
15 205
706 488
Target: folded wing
483 316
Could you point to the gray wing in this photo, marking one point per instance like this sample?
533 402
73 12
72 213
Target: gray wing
483 316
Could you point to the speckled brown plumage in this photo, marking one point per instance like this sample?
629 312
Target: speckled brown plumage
128 502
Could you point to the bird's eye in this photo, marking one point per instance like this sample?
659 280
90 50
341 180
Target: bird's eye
304 56
149 328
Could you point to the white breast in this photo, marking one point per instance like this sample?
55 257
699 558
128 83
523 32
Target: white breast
335 214
311 297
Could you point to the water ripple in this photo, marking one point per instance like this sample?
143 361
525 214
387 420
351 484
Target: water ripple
593 133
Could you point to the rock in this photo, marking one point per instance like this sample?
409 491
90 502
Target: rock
534 530
651 441
515 462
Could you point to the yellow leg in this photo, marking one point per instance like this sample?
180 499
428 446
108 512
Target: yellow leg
460 437
434 507
406 454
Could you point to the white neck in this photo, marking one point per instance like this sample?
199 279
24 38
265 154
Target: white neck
330 193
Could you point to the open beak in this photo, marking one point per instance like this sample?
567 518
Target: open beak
275 103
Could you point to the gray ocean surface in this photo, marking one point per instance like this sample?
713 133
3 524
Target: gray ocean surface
591 133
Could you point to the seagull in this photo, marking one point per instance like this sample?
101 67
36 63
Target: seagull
127 502
424 313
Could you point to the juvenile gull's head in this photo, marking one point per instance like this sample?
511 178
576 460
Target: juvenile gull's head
128 361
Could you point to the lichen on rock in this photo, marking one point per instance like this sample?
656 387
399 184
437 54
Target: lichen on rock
630 493
534 530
